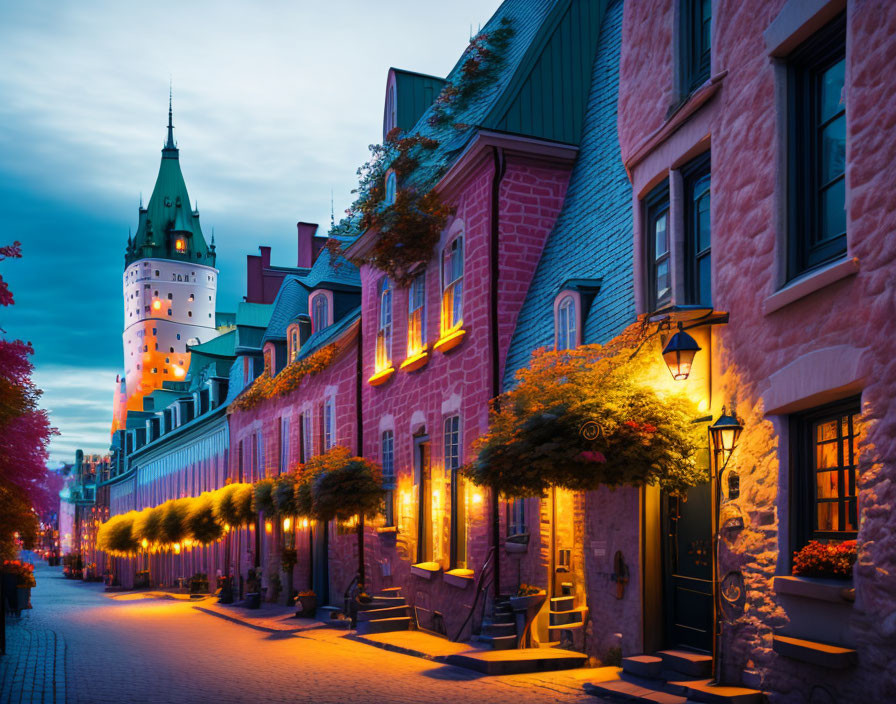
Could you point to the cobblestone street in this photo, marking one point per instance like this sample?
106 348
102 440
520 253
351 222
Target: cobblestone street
78 646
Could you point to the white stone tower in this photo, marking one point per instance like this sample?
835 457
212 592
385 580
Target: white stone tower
170 282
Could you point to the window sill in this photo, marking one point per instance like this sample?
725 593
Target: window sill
449 341
426 570
416 362
835 590
460 578
809 283
381 377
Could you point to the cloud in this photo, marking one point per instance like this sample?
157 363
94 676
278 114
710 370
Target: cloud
274 106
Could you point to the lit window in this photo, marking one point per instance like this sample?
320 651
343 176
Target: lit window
452 286
566 324
388 463
157 305
826 454
269 361
180 245
293 344
417 315
190 298
389 198
384 331
319 312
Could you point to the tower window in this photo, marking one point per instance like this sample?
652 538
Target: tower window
171 349
157 272
189 314
170 296
190 298
180 245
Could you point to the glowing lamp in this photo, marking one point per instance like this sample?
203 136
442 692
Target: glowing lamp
179 371
477 497
157 305
304 523
287 523
226 527
176 547
179 245
268 527
724 434
679 354
144 543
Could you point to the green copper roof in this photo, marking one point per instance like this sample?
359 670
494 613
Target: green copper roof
168 218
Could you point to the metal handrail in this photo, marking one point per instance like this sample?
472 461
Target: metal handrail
480 588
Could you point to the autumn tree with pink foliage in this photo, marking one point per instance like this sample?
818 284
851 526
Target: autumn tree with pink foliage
25 485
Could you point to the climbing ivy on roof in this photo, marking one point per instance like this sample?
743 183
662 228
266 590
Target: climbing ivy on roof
409 227
481 63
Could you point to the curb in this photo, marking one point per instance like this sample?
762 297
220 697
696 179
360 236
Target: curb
258 627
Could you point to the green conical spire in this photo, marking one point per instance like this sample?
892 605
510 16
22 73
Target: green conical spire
168 228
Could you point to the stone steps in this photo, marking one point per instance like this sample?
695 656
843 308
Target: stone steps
515 662
381 602
569 618
498 629
498 642
670 677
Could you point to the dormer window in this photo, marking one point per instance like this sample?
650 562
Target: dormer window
567 322
180 245
391 186
320 312
293 340
390 120
452 285
384 328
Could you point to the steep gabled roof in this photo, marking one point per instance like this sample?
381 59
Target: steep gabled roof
169 212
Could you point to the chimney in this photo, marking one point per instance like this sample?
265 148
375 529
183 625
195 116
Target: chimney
307 253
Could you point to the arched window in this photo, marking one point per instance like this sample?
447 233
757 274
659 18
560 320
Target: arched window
320 316
384 327
452 285
566 324
389 198
293 343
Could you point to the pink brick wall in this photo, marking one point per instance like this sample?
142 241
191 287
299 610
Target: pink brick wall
768 359
456 382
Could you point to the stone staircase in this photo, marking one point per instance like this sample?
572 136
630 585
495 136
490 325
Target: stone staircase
670 677
386 611
565 615
499 631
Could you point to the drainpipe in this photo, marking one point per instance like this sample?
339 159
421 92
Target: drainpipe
359 420
494 251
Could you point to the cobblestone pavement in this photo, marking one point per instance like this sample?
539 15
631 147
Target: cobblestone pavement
77 646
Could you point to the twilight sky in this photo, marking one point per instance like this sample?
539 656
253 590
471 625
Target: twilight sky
274 106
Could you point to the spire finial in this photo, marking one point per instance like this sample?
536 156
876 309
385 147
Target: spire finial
170 144
332 212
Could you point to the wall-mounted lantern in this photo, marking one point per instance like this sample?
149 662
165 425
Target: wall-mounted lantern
679 354
724 434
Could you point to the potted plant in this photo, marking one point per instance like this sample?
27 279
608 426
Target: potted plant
253 591
23 573
199 583
527 596
308 601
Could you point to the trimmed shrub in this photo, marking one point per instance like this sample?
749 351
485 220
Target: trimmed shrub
201 521
263 499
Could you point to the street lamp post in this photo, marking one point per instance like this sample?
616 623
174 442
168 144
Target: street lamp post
723 434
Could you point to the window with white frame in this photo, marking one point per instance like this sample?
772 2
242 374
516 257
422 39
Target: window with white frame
307 436
458 556
417 315
384 328
260 472
388 463
329 423
452 285
284 444
656 239
320 313
567 324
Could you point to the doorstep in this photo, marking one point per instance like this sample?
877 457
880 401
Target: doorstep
271 618
416 643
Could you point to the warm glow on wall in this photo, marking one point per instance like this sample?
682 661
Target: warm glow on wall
477 497
157 304
179 371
